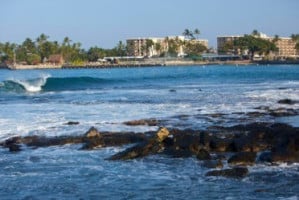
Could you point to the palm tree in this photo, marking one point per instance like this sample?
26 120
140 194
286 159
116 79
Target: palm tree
187 33
197 32
276 38
255 33
295 38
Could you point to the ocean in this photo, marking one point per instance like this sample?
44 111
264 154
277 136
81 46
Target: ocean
42 102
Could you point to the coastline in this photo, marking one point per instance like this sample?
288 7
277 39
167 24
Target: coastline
146 63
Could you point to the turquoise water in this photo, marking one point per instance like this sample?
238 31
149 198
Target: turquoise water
40 102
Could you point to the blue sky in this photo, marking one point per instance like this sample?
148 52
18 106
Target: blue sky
105 22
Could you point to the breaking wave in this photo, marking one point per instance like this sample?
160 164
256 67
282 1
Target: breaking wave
47 83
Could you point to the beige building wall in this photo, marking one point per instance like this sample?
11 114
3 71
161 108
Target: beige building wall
137 46
286 48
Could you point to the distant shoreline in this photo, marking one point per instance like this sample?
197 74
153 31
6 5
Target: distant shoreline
146 64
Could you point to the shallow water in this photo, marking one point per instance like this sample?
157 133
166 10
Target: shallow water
42 101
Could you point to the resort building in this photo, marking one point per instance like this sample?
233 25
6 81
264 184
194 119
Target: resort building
224 42
285 45
154 46
286 48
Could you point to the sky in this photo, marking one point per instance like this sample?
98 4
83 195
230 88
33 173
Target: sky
104 23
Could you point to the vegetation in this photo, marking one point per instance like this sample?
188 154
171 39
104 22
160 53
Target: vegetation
251 45
39 50
254 45
295 38
191 34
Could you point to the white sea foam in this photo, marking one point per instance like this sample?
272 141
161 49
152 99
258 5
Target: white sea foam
33 85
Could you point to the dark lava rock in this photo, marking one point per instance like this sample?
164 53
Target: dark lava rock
142 122
242 158
287 101
278 157
212 164
93 139
220 144
92 132
71 123
238 172
283 112
203 155
14 148
152 146
13 144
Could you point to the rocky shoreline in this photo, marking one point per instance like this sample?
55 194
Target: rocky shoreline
236 146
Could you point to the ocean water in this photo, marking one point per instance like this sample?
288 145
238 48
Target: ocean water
40 102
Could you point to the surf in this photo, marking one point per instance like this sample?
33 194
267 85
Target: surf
31 85
48 83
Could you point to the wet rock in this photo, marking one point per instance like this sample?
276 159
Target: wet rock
70 123
142 122
283 112
203 155
212 164
118 139
287 101
172 90
151 146
177 153
162 134
13 144
242 158
238 172
220 144
187 140
92 132
14 148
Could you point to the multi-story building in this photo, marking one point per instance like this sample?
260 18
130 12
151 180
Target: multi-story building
285 45
153 46
225 42
144 46
286 48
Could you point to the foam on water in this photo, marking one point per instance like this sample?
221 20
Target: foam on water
183 97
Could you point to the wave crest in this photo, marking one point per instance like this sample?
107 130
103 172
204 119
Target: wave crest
48 83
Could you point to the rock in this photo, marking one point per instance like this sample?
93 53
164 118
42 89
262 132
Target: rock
242 158
212 164
142 122
203 155
71 123
13 144
283 112
162 134
14 148
238 172
287 101
152 146
220 144
92 132
177 153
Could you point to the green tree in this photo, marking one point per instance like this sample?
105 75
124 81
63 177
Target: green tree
254 45
255 33
158 47
42 46
188 34
196 33
172 47
95 53
194 48
7 52
149 44
295 38
276 38
120 49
